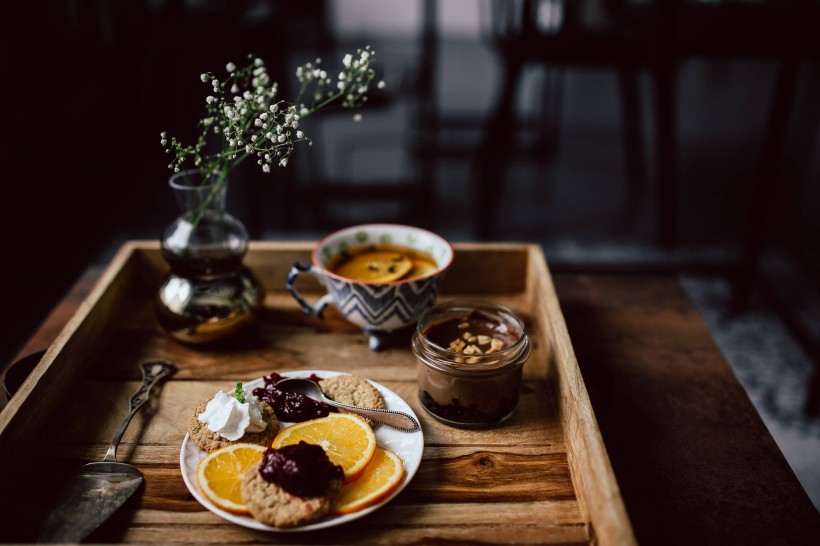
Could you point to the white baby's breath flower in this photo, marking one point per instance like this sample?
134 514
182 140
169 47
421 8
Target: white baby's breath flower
245 118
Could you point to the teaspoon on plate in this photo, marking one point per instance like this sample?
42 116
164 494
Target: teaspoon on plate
311 389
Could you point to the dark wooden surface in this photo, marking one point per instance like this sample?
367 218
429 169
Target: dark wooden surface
694 462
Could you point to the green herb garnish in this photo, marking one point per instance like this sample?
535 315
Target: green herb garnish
239 393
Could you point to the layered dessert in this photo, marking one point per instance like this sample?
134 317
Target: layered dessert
470 358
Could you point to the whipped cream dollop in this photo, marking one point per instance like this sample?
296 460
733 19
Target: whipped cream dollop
230 418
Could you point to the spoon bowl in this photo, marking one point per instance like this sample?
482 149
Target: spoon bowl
395 419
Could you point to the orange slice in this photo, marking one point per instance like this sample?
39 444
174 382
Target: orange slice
219 475
347 439
382 476
376 267
422 268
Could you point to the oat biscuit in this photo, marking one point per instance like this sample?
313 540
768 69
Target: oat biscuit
353 390
272 505
209 441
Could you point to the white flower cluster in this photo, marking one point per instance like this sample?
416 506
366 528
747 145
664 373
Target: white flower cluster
244 114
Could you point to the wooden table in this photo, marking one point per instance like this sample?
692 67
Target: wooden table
694 462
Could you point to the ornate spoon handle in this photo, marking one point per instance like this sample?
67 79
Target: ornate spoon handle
391 418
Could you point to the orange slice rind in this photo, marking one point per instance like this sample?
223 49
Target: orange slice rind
219 475
383 474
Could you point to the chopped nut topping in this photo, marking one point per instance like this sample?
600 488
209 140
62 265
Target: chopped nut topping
473 360
472 350
456 346
464 325
469 344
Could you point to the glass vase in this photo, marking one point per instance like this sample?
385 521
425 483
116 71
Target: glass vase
209 294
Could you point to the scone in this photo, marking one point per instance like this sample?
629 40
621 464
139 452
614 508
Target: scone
207 440
272 505
353 390
292 485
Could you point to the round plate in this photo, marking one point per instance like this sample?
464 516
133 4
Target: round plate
407 445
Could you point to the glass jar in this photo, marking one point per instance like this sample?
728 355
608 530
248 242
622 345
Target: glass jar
470 358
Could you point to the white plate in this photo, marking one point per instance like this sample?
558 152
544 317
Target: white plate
407 445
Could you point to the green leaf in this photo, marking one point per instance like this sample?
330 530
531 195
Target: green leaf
239 393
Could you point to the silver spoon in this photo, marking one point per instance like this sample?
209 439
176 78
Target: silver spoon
311 389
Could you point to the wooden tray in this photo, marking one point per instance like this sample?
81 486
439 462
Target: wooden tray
542 477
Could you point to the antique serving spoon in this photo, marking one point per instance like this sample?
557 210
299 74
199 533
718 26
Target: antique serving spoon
98 489
391 418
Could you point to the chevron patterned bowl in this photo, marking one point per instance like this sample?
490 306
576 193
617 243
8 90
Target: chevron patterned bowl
377 308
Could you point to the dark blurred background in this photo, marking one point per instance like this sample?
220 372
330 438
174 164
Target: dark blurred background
619 134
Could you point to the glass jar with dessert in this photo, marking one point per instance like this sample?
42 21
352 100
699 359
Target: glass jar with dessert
470 357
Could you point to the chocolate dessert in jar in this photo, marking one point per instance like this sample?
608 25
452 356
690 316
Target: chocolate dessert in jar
470 357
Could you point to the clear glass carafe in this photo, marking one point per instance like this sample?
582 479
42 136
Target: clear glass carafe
208 294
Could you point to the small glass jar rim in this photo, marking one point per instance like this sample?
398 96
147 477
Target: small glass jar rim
497 362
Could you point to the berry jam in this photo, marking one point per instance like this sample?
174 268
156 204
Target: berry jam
301 469
290 406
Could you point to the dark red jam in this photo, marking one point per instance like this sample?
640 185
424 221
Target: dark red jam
292 407
301 469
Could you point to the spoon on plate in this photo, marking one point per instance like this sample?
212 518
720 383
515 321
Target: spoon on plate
311 389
